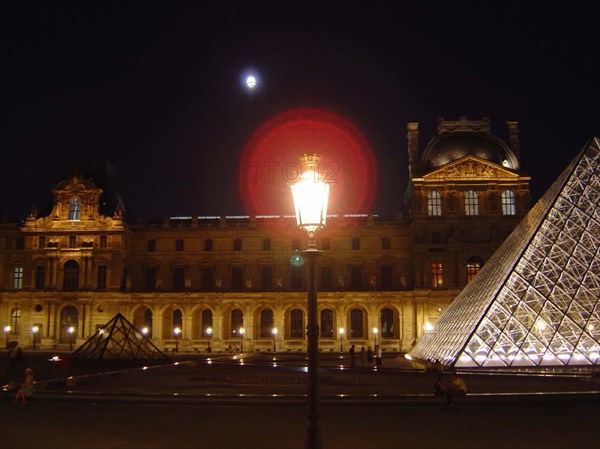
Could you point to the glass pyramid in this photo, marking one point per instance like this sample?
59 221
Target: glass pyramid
118 340
536 302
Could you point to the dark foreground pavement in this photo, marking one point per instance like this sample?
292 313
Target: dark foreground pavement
258 402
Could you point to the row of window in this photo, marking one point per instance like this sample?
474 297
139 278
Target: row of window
266 244
434 203
474 264
294 328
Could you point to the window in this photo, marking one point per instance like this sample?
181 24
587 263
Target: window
436 275
237 323
15 320
355 277
434 203
207 279
42 241
509 206
20 243
326 323
18 278
436 238
266 323
326 278
266 244
71 275
266 276
386 276
103 241
236 278
471 203
179 245
208 245
296 278
102 277
385 243
75 209
356 324
177 320
72 241
151 245
296 324
355 243
237 244
40 276
474 264
150 281
207 321
387 323
179 278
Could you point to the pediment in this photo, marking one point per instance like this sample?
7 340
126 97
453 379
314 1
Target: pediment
470 167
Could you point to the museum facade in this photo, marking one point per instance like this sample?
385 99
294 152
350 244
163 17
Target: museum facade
237 283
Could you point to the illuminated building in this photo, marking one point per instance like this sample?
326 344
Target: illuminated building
224 282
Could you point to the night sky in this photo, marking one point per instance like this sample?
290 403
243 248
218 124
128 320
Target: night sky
154 87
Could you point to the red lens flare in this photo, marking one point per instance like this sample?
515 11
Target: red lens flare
270 161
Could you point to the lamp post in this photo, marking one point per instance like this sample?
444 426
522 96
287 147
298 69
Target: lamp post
34 330
341 330
72 332
209 331
6 330
274 332
241 331
177 333
375 332
311 194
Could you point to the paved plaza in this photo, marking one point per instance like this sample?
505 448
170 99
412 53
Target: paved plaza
258 401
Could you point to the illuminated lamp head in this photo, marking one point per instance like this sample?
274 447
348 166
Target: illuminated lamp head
311 195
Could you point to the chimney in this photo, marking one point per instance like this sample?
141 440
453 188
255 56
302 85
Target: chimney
513 136
413 149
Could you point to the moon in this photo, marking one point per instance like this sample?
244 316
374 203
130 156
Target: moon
251 81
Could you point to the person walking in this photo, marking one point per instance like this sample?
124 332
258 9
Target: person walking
352 357
363 357
378 355
370 357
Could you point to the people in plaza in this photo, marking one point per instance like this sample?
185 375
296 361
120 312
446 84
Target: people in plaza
26 388
370 357
363 357
378 356
457 389
352 356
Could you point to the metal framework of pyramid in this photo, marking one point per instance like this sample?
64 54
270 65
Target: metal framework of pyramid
118 340
536 302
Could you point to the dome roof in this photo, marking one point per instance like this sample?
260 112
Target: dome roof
448 147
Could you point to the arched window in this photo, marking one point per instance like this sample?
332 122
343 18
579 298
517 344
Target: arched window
266 323
103 241
356 323
296 324
509 205
237 322
75 208
326 323
474 264
72 241
471 203
143 321
387 323
15 320
207 321
71 275
69 318
177 319
434 203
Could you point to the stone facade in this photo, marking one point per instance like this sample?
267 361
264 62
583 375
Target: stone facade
225 283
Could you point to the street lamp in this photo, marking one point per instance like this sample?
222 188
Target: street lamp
311 194
177 332
72 332
375 332
274 332
341 330
241 331
209 331
35 330
6 330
